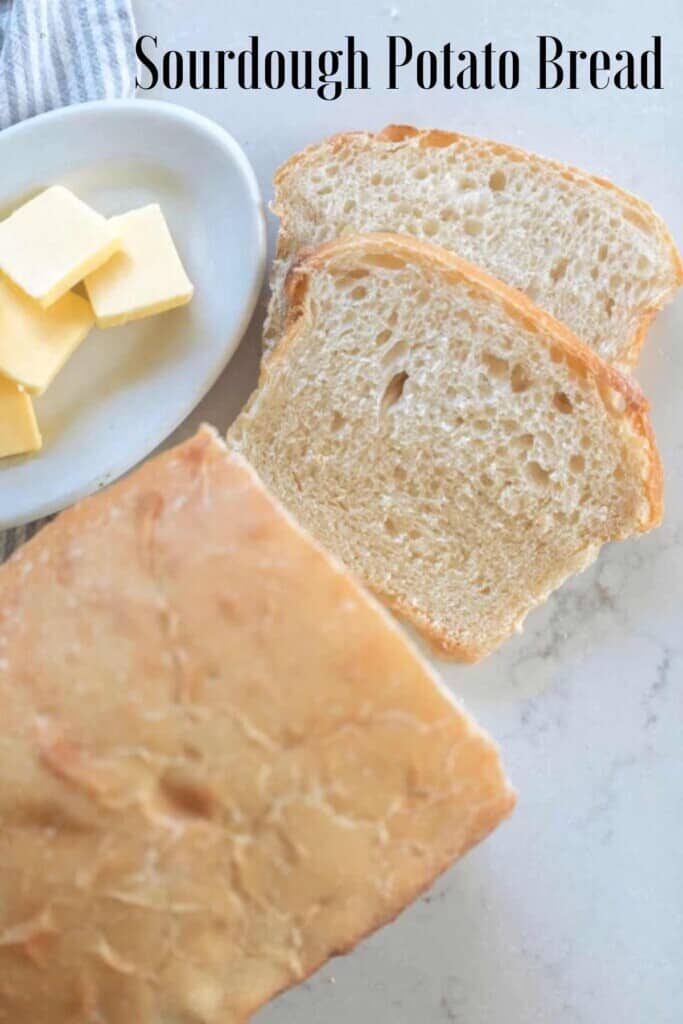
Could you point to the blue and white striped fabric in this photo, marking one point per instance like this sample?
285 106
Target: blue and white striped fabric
56 52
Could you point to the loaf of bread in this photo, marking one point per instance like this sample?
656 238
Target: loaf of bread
220 761
595 257
458 449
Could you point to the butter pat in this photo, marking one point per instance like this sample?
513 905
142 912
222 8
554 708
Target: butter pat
50 243
145 277
19 431
34 342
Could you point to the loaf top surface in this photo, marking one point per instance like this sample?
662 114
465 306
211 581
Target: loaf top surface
220 762
459 449
596 257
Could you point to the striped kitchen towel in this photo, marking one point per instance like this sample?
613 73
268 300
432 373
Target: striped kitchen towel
53 53
56 52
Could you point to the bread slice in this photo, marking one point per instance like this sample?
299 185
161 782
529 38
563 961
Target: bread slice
220 761
457 448
595 257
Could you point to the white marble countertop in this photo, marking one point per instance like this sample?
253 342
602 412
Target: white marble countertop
572 913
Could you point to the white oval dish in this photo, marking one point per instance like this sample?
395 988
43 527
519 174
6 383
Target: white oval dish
126 389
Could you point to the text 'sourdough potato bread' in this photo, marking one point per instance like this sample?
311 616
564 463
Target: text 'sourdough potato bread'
220 762
594 256
459 449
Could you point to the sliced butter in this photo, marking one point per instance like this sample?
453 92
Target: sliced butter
19 431
35 342
145 277
50 243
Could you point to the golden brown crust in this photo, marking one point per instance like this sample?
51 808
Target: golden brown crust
220 761
397 134
549 332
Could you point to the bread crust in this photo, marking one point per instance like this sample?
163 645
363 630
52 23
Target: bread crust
397 134
186 675
613 386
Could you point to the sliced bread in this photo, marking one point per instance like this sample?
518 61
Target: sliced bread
594 256
460 450
220 761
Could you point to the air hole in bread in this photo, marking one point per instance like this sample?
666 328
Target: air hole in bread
581 215
482 586
338 421
643 263
559 269
481 424
359 292
524 442
376 179
562 403
465 184
609 305
577 367
603 252
393 391
430 228
537 473
397 351
497 181
349 206
577 464
495 366
391 527
383 337
472 226
519 380
400 474
420 173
